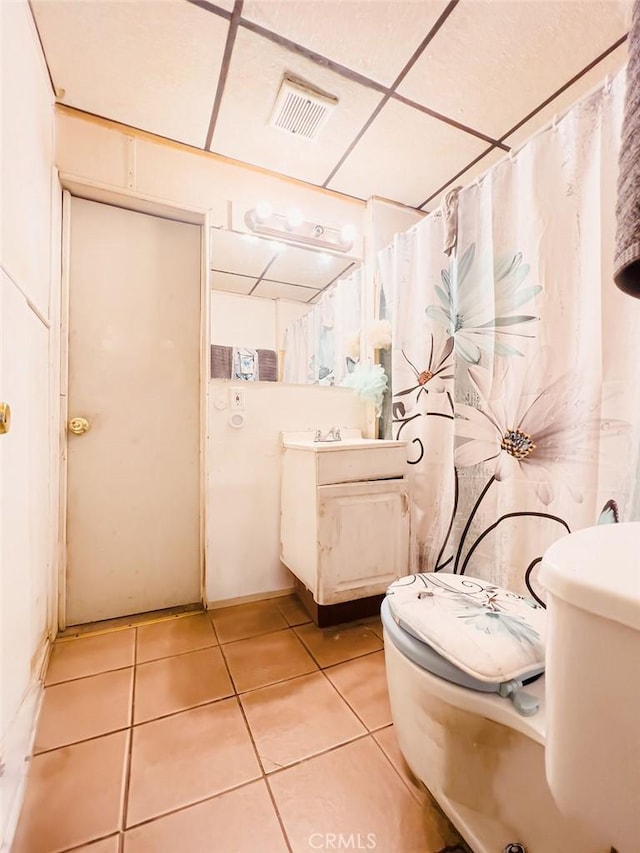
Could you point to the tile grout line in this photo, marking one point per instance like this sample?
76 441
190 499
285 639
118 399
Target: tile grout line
228 670
85 677
84 844
397 772
278 815
177 654
254 636
431 800
264 773
344 698
127 783
257 754
130 666
136 664
199 802
264 776
134 725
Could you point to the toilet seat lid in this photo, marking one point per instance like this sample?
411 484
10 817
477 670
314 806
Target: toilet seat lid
489 632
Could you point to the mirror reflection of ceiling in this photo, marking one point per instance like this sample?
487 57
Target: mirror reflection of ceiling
251 266
430 93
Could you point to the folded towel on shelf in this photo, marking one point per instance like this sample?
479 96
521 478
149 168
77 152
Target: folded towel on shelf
245 364
220 362
626 263
267 365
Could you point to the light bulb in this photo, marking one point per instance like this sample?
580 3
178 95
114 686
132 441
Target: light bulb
263 210
348 233
294 218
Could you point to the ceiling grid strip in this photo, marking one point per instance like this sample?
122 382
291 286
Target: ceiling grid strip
566 85
224 70
236 20
409 65
516 127
211 7
262 274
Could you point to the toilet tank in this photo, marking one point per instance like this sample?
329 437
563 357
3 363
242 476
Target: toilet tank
592 752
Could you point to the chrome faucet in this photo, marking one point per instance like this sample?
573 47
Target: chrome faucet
332 435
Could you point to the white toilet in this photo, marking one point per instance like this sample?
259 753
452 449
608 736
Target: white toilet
553 764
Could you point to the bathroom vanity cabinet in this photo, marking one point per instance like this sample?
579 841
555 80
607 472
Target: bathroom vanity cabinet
344 515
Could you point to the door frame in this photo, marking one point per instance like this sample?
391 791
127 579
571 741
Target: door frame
166 210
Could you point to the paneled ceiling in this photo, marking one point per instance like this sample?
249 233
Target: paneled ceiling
430 93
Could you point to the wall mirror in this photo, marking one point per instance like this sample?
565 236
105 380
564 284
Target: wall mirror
260 287
249 265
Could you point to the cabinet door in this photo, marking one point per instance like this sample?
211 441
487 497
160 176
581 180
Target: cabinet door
363 538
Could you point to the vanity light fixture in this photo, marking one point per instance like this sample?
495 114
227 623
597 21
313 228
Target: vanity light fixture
263 210
295 229
348 232
294 218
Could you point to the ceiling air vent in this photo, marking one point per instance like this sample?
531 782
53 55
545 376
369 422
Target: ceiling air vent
301 110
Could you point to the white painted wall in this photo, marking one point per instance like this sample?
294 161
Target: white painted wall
390 218
243 494
251 321
242 321
108 155
29 377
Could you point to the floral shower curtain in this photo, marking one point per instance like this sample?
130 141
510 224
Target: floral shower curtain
516 363
324 344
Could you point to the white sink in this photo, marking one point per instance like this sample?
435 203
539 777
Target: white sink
343 444
352 458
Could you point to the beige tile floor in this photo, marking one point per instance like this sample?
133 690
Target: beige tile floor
243 730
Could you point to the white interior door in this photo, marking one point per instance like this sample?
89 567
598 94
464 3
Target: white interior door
133 495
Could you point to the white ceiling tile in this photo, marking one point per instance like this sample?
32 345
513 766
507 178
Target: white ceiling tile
231 282
239 253
276 290
469 175
495 61
375 39
153 65
302 266
256 70
405 155
609 66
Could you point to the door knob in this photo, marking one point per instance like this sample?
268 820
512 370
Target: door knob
5 418
78 426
